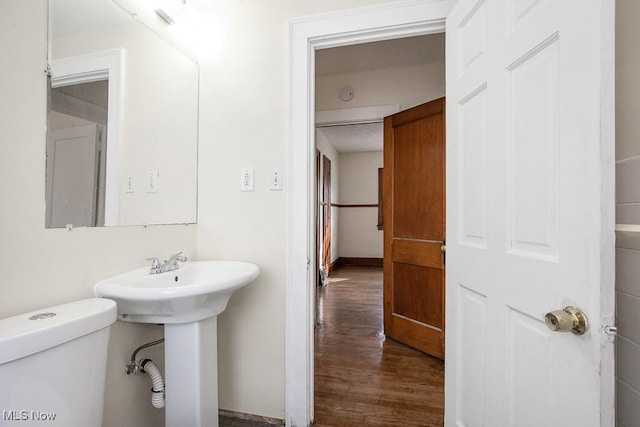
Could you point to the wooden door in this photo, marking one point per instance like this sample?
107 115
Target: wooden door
414 231
318 221
326 218
530 212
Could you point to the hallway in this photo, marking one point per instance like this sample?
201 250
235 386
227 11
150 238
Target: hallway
361 378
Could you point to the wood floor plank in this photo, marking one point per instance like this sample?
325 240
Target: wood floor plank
362 378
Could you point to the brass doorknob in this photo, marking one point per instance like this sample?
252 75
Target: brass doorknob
568 319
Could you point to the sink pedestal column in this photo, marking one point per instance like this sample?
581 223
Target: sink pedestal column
191 373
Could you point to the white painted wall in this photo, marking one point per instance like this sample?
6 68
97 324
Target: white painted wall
41 268
359 235
408 86
244 123
627 212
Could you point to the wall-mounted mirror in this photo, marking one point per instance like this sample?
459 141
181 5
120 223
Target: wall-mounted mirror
122 121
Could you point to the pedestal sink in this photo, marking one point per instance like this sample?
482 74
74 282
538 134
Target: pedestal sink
187 301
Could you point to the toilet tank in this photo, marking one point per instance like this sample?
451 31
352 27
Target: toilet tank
53 364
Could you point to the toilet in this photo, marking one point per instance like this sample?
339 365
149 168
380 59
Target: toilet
53 364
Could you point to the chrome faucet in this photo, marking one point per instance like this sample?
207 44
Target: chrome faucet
168 265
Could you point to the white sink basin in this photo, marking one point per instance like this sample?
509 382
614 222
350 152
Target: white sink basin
196 291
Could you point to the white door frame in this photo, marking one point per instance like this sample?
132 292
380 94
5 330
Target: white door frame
382 22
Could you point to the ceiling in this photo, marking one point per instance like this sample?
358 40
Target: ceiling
368 56
354 138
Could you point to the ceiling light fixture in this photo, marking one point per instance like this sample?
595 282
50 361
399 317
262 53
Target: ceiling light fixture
165 16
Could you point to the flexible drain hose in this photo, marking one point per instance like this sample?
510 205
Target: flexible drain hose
157 388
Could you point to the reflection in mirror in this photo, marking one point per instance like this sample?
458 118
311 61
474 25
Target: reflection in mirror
122 121
82 173
76 141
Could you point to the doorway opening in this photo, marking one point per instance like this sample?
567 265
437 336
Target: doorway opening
381 78
375 23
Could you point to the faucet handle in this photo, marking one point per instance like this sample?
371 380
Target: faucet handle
155 265
180 256
155 262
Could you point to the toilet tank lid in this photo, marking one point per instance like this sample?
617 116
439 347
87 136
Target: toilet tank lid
39 330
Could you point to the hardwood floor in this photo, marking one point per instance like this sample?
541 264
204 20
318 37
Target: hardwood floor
361 378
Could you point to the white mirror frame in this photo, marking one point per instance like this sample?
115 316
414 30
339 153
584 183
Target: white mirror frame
108 64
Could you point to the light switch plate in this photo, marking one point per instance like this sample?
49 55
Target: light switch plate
275 179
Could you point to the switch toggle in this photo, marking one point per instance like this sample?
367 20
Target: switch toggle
275 179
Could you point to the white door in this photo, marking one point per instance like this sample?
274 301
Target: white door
72 167
529 212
